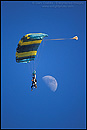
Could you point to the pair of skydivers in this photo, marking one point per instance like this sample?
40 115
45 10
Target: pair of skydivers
34 81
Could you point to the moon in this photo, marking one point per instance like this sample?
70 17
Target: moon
51 82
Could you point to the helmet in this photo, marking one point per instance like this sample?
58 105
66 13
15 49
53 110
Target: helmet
34 72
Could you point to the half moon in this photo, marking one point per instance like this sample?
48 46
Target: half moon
51 82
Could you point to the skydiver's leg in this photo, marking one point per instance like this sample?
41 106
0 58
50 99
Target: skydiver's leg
35 86
32 88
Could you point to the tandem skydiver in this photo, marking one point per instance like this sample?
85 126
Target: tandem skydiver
34 81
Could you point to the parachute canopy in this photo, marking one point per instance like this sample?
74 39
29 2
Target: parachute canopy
27 47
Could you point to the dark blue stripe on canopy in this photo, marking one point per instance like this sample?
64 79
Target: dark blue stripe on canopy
24 60
30 39
28 57
27 48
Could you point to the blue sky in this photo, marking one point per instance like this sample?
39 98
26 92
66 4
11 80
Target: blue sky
64 60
